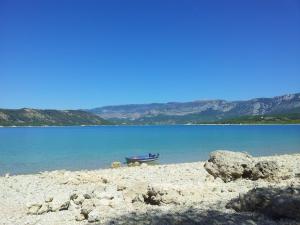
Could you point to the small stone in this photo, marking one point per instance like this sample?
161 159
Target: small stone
48 199
105 195
104 180
230 190
79 200
116 164
44 209
73 180
94 215
87 207
79 217
74 196
7 175
104 202
74 207
136 164
60 203
34 208
121 188
87 196
138 198
143 165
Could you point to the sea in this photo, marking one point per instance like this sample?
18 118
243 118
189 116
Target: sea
26 150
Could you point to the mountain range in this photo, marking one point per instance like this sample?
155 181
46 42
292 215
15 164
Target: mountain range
202 111
280 109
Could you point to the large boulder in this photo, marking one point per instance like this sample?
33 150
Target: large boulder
274 202
270 170
229 165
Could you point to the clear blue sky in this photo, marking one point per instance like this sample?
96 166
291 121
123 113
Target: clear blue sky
83 54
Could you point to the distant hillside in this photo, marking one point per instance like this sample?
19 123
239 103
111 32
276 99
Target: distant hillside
198 111
35 117
292 118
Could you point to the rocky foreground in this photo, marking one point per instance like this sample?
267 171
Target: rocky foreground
230 188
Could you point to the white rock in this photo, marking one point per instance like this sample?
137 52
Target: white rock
74 207
49 199
111 188
79 200
116 165
229 165
101 202
79 216
97 191
87 207
34 208
143 165
60 202
106 195
94 215
44 209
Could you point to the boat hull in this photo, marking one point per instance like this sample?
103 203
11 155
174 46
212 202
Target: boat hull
141 159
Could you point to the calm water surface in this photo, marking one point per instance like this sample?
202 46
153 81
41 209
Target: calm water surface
27 150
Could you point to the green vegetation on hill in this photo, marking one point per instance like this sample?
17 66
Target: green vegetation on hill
35 117
292 118
288 118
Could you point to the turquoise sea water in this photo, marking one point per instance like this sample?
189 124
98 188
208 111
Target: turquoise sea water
27 150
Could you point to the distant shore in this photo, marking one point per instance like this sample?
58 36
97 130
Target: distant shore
200 124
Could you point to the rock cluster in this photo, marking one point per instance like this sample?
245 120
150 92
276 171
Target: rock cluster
156 195
274 202
270 170
94 205
50 204
86 206
230 166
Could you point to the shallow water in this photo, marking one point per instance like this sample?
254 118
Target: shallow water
34 149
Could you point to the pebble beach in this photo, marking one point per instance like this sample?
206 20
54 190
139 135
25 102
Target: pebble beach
147 194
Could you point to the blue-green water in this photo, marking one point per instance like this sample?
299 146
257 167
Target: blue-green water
27 150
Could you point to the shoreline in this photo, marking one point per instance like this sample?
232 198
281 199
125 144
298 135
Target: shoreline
124 166
119 195
149 125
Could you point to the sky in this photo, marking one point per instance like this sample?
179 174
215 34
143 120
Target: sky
79 54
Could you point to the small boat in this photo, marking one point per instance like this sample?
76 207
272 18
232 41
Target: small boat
143 158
